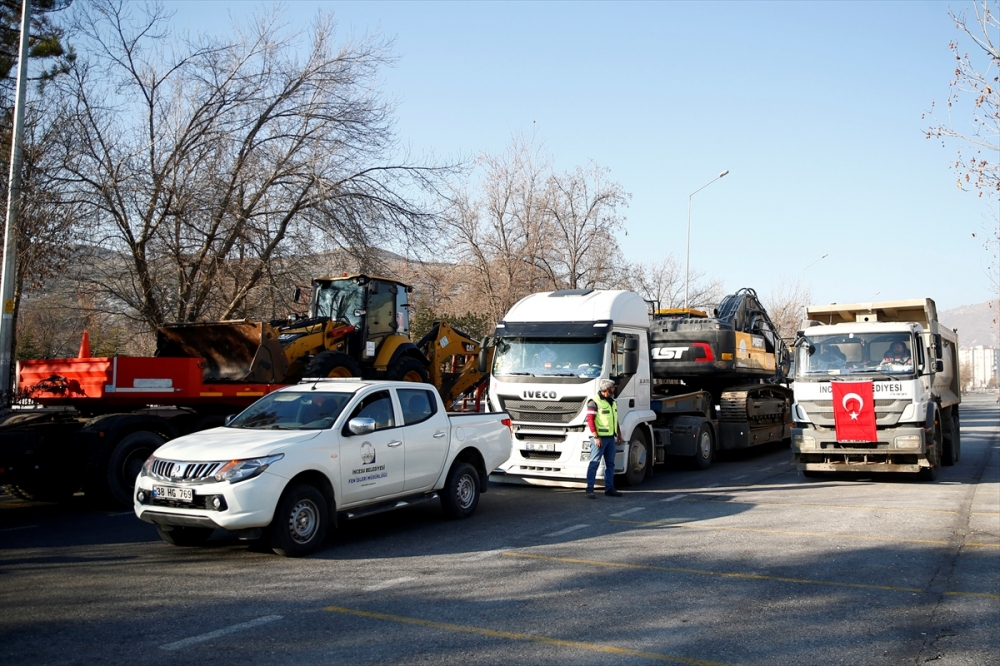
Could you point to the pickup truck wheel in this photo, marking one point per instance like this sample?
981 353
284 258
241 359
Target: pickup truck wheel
408 369
126 463
636 459
332 364
300 521
461 491
185 536
705 443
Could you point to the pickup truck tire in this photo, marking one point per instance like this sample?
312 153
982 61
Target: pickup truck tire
300 521
704 447
408 369
636 459
126 462
332 364
460 495
185 536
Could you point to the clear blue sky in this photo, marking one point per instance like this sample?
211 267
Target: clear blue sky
815 108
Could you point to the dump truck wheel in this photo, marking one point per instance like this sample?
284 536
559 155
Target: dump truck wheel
126 461
332 364
408 369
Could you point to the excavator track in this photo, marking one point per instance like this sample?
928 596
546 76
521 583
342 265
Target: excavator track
756 404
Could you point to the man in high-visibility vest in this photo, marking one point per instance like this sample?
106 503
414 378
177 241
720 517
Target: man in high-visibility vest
602 420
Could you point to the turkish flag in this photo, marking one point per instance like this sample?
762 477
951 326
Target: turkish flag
854 411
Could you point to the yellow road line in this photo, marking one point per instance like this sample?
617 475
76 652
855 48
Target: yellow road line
663 523
722 574
987 595
982 545
822 506
578 645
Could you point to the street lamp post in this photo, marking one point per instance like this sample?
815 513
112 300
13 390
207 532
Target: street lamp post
814 263
687 260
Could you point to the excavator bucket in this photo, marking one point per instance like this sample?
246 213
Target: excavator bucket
233 351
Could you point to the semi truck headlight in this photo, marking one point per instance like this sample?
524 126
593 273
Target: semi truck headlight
241 470
801 441
907 442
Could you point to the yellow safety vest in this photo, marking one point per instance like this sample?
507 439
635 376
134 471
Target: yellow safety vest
606 420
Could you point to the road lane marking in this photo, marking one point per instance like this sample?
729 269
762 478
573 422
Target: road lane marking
485 555
567 530
628 511
721 574
675 497
741 476
987 595
14 529
532 638
123 513
661 523
982 545
389 583
826 506
201 638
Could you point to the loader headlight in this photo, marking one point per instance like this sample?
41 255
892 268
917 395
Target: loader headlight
241 470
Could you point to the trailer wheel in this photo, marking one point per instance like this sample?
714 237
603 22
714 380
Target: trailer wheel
185 536
300 521
636 459
408 369
460 495
332 364
705 447
126 462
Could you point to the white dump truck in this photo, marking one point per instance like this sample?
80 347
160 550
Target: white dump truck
891 364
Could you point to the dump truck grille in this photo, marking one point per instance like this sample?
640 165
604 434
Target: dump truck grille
542 411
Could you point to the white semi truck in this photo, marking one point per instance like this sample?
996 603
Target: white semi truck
687 384
915 390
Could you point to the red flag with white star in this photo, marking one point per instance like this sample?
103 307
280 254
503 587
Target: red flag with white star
854 411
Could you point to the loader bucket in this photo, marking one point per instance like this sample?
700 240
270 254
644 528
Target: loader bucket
234 351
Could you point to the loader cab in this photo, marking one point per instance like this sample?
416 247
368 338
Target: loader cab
376 307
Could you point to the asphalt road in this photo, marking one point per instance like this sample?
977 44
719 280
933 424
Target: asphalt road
745 563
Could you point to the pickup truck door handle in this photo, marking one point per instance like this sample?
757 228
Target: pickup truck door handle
439 435
394 444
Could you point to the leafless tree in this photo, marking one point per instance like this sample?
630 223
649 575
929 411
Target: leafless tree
662 282
786 306
206 164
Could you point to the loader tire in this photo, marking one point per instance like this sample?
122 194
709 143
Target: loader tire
332 364
408 369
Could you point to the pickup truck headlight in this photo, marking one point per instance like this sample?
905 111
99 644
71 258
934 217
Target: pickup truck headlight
241 470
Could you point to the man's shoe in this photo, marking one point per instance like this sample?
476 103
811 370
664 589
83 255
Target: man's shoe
591 495
612 493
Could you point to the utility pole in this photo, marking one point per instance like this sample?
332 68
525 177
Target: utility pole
8 278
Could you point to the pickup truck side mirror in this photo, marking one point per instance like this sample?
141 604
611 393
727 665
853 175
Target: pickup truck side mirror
361 425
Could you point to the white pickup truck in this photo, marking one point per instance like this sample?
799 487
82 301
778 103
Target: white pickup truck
293 462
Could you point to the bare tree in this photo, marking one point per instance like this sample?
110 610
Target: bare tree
786 306
208 163
662 282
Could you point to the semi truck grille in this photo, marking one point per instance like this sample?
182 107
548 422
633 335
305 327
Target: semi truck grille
172 470
542 411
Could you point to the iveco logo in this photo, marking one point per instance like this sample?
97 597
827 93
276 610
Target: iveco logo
541 395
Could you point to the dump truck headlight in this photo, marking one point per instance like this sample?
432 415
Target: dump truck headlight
801 441
907 442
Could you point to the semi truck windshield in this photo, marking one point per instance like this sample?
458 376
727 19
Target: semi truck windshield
855 354
549 357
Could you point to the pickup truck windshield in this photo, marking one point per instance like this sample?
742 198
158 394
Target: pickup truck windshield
855 354
549 357
312 410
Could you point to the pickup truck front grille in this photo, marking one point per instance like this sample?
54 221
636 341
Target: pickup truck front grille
542 411
173 470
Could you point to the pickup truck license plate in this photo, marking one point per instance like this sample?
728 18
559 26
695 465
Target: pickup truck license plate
540 446
172 493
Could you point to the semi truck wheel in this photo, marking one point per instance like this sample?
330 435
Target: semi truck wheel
636 459
184 536
300 521
934 455
705 447
460 495
126 462
408 369
332 364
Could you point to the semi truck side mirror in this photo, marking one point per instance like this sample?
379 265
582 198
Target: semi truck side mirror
631 365
938 366
631 345
938 346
